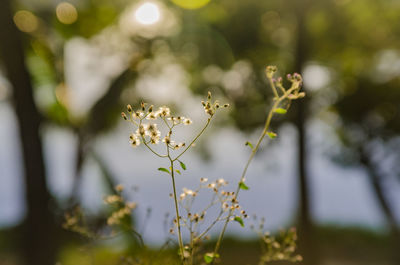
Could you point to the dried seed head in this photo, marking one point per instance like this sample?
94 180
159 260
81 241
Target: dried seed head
129 108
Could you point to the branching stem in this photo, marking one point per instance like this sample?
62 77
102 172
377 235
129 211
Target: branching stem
277 101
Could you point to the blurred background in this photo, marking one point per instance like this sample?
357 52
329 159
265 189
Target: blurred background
68 69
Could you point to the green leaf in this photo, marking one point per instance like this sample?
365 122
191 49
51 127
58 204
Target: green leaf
243 186
280 111
239 220
177 171
249 144
164 170
209 257
183 166
272 135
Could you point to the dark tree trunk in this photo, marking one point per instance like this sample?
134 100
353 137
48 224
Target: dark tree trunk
376 184
307 245
38 242
97 123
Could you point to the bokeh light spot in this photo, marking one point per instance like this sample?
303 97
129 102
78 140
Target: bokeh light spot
26 21
191 4
66 13
147 14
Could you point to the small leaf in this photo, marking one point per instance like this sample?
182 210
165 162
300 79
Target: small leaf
280 111
164 170
183 166
272 135
177 171
239 220
243 186
249 144
209 257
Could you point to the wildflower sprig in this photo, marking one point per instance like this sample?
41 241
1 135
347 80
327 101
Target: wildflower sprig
281 103
220 203
157 127
119 217
278 247
145 121
121 207
75 221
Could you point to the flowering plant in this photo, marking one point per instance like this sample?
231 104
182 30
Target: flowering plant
158 127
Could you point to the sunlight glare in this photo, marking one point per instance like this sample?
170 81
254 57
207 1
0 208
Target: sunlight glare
147 14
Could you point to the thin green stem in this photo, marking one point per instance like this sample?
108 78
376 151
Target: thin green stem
166 123
273 87
194 140
151 149
253 153
177 211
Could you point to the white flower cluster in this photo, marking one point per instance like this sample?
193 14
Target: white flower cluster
123 208
148 133
225 200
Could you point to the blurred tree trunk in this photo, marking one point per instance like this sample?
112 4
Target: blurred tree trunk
107 106
38 241
375 180
307 245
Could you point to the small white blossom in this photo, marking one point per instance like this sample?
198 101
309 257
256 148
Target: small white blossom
187 121
153 115
134 140
137 115
164 111
221 181
166 139
142 130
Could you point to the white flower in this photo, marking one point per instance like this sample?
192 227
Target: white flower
153 115
152 127
188 192
112 199
137 114
142 130
221 181
187 121
155 139
164 111
179 145
134 140
166 139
